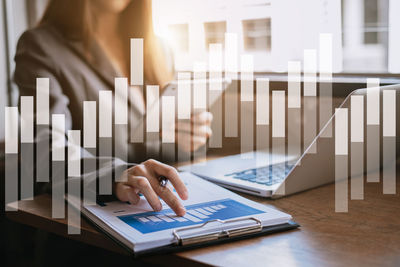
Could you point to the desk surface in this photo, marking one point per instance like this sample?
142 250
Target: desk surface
369 234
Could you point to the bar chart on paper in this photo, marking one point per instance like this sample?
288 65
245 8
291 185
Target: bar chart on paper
149 222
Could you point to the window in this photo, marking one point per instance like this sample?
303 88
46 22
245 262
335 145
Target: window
214 32
257 34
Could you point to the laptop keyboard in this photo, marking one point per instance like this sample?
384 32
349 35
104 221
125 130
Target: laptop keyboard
268 175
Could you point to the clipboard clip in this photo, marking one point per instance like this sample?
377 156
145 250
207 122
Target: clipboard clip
218 234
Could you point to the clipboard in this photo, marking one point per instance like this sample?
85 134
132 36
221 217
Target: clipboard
208 239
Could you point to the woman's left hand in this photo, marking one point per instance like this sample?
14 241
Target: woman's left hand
194 134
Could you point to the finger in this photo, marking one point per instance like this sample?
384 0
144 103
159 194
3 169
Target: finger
126 193
198 141
166 194
202 118
143 185
163 169
196 129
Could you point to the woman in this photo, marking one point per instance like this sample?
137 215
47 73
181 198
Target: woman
81 46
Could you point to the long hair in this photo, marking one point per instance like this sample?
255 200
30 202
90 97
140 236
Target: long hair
75 20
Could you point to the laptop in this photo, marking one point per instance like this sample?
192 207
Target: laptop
270 175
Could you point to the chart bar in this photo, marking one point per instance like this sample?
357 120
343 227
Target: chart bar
247 105
74 182
262 118
231 95
27 147
105 140
215 68
184 116
199 101
121 127
294 108
153 121
136 61
373 130
341 158
42 128
136 115
389 141
168 127
310 100
357 146
89 143
58 165
11 161
278 129
325 79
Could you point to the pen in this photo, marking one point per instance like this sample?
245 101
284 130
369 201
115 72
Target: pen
162 180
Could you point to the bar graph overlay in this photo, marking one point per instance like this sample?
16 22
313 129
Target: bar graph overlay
247 105
150 222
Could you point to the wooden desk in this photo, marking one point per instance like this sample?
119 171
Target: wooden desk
369 234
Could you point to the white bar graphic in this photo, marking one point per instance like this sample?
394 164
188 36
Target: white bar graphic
58 165
278 113
58 137
357 118
215 207
168 119
27 147
294 82
42 101
136 61
27 119
310 72
191 218
221 206
143 219
199 86
197 214
310 99
203 211
341 154
389 141
325 78
215 66
42 121
105 113
184 95
357 146
11 160
294 105
373 130
153 108
121 101
247 77
231 55
11 130
246 106
89 124
165 218
176 217
262 101
231 95
215 86
74 174
154 219
209 209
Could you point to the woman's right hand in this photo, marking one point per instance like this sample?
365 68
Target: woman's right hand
143 178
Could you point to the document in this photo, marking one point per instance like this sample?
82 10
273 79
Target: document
140 228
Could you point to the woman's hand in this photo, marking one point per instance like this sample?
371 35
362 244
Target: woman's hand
143 178
198 130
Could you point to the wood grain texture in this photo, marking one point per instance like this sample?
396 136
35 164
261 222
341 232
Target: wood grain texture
369 234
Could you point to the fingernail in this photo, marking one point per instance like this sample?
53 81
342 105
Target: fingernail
158 207
181 211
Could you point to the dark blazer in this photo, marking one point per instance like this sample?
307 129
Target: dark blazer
74 78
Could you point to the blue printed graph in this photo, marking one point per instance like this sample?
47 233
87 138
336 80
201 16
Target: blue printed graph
149 222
